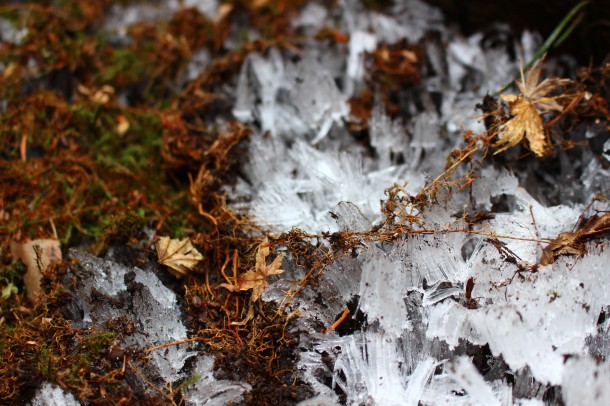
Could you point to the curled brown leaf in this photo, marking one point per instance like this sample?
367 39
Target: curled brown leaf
178 255
573 243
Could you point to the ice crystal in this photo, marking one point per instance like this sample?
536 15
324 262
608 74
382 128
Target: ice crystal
465 373
542 316
586 382
51 395
287 98
379 279
153 308
371 367
405 299
209 391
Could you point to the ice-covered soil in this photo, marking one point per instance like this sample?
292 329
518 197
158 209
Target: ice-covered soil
463 313
108 293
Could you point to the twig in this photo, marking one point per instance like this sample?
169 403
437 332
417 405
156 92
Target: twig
338 322
158 347
161 392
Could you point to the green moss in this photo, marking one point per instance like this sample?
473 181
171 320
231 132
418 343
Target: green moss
96 343
191 380
12 273
11 16
9 290
42 358
124 65
69 170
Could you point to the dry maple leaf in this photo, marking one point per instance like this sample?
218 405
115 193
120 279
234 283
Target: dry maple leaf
256 278
179 255
526 109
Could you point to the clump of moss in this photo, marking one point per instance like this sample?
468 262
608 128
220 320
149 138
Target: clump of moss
103 139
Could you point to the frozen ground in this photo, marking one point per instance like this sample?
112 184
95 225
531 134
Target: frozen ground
419 341
520 334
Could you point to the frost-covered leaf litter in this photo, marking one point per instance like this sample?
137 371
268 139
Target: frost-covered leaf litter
414 340
534 331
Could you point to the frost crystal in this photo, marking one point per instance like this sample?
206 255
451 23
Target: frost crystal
371 366
586 382
51 395
153 308
431 259
378 280
479 391
442 314
287 98
209 391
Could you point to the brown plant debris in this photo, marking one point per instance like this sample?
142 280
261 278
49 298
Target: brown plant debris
469 302
526 109
256 278
178 255
37 255
573 243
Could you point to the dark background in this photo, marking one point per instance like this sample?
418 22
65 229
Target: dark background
589 43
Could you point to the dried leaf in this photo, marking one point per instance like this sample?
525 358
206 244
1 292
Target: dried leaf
526 121
526 109
179 255
572 243
9 70
97 96
256 279
122 125
37 255
223 11
249 316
